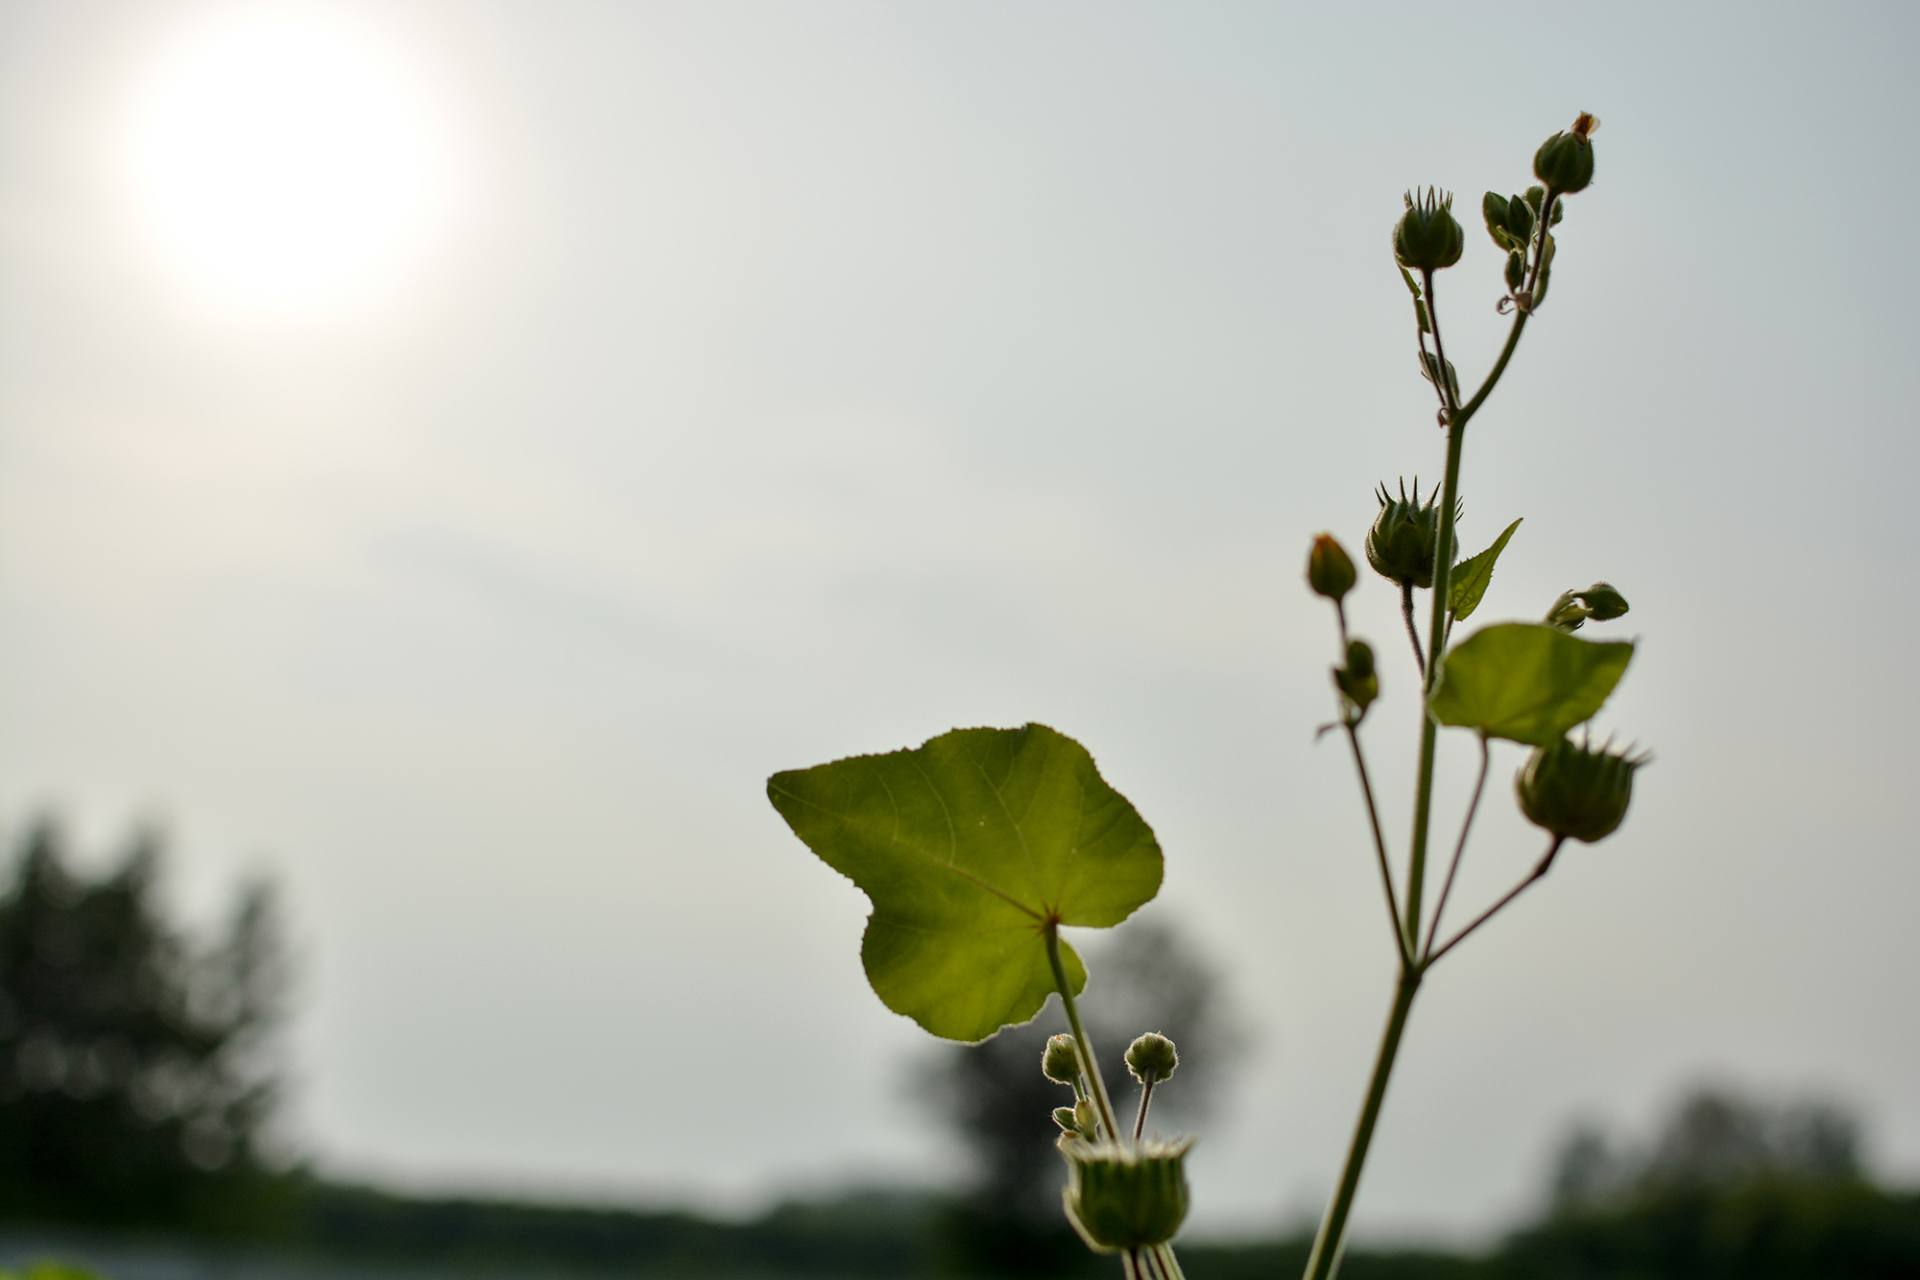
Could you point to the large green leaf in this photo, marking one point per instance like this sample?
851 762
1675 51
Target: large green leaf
969 847
1471 576
1527 681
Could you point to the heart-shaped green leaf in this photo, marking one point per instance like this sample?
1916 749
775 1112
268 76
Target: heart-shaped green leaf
1471 576
1527 681
970 846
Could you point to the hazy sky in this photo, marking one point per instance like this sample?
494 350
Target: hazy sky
451 453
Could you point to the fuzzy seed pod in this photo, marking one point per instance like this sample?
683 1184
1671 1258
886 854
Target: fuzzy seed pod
1120 1198
1152 1058
1060 1061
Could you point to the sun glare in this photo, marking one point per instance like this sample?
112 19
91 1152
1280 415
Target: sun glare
284 159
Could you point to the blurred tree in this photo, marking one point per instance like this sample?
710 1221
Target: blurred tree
1145 978
136 1074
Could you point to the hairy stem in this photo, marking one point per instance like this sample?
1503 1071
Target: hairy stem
1413 632
1325 1258
1459 848
1540 869
1088 1063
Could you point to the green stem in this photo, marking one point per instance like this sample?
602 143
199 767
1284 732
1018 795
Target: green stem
1169 1263
1325 1258
1459 848
1088 1063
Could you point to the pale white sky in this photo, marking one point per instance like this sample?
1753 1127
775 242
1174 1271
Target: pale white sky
449 455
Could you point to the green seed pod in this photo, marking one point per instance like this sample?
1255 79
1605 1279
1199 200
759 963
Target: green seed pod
1357 681
1152 1057
1119 1198
1060 1061
1577 791
1427 237
1330 570
1402 542
1564 162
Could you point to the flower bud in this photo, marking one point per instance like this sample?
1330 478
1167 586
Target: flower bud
1564 162
1427 238
1600 602
1402 542
1357 681
1064 1117
1577 791
1330 570
1509 220
1152 1058
1603 602
1119 1198
1060 1061
1516 270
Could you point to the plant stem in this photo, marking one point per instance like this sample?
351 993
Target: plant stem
1140 1116
1400 942
1088 1063
1540 869
1413 632
1168 1263
1459 848
1325 1258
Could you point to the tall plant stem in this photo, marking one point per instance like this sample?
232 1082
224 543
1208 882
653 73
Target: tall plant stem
1088 1063
1413 631
1325 1258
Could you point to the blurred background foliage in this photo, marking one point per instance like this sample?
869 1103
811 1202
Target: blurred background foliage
140 1073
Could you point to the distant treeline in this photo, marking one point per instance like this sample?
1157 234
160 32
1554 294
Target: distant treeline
139 1072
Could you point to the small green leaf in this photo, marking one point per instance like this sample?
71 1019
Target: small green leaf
969 846
1526 681
1471 576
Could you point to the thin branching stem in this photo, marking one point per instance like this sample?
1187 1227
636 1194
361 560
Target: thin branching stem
1400 942
1540 869
1459 848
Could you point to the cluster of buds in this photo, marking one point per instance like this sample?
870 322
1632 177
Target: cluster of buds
1577 791
1120 1195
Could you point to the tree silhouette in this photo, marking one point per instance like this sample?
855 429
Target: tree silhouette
136 1074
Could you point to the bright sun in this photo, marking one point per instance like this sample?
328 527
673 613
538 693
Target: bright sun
284 160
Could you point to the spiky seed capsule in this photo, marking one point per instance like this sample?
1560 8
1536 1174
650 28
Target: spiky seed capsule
1405 536
1152 1058
1119 1198
1577 791
1060 1061
1330 569
1564 162
1427 237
